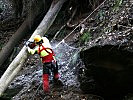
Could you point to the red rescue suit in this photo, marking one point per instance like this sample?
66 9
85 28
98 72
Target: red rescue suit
43 48
48 58
48 64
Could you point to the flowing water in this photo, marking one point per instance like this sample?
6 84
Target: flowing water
68 60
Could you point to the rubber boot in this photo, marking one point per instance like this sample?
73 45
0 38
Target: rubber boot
46 83
56 76
57 82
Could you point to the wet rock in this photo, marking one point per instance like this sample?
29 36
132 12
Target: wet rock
112 69
108 57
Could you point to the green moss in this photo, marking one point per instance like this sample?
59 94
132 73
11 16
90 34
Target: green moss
85 37
118 3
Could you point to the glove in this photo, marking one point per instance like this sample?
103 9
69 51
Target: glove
30 44
31 51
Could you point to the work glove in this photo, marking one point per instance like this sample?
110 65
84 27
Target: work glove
30 44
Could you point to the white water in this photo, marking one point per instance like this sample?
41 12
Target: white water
67 58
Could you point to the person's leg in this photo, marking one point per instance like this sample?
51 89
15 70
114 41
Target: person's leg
55 70
46 77
57 82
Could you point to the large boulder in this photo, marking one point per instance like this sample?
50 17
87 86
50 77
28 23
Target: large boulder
108 65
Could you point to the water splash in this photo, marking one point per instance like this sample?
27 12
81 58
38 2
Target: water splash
67 57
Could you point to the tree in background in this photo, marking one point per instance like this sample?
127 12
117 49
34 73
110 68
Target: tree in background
18 7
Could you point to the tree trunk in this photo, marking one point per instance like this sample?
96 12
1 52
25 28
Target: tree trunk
17 63
28 26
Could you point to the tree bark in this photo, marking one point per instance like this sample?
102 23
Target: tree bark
28 26
17 63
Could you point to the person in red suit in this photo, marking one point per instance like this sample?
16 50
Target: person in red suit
43 48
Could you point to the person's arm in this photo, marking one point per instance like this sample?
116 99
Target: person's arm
32 51
46 42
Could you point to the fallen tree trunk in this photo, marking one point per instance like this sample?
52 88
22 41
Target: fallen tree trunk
29 25
17 63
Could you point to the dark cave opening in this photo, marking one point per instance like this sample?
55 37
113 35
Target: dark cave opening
112 69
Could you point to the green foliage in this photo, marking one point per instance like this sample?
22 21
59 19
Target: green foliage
118 3
85 37
101 15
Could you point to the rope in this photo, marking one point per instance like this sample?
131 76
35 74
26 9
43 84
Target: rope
63 40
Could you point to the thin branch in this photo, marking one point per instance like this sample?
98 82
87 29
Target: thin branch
73 14
58 33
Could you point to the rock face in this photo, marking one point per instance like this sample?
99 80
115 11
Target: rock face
108 56
111 68
109 65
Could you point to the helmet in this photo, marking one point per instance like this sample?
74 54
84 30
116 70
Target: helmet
37 38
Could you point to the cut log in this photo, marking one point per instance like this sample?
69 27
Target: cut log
28 26
17 63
